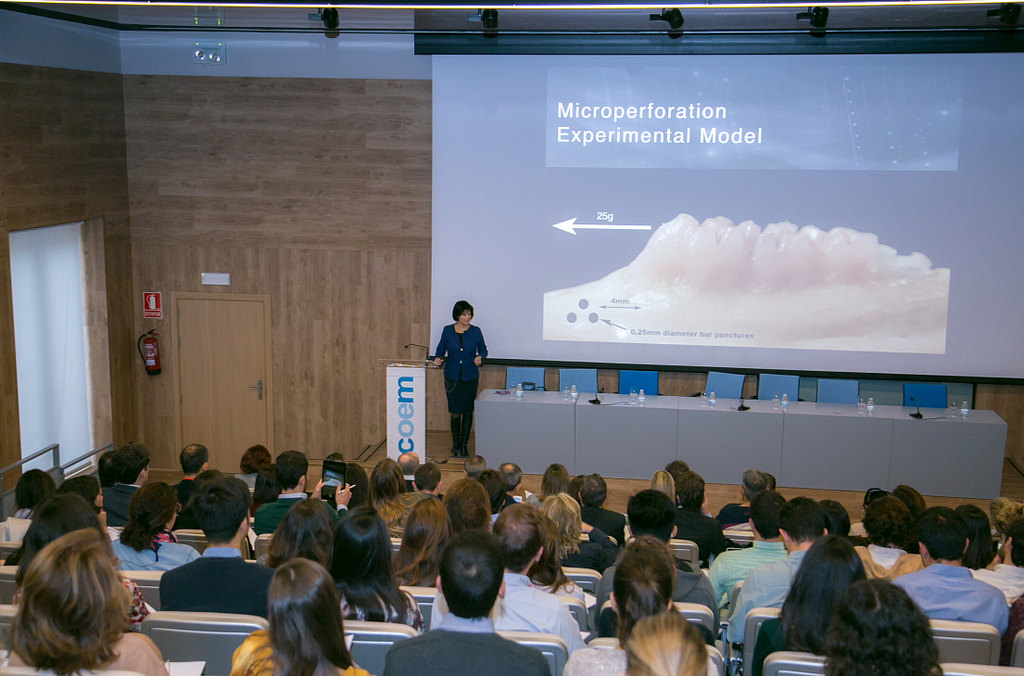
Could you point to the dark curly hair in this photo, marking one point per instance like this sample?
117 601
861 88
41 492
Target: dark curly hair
888 523
878 630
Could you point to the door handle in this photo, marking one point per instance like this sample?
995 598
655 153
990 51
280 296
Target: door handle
259 389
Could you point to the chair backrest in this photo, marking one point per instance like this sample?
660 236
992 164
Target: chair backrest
641 380
149 584
190 636
716 662
551 646
741 535
752 627
585 380
687 550
586 579
262 544
1017 658
193 537
789 663
524 374
372 640
8 547
925 395
697 614
603 642
7 613
771 384
424 597
578 609
724 385
832 391
7 585
958 669
966 642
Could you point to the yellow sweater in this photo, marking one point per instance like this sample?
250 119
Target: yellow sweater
255 657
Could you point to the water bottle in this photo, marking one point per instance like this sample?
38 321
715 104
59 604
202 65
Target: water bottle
964 409
634 398
573 392
565 394
785 402
871 405
712 400
861 406
519 391
776 402
641 397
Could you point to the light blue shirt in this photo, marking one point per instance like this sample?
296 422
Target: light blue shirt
170 555
765 587
732 567
946 592
475 625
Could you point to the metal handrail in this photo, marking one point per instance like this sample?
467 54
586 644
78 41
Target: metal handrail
53 449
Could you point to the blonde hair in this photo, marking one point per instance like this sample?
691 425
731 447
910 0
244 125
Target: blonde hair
73 606
663 481
1005 511
565 513
665 645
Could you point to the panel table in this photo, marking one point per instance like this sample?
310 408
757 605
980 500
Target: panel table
533 432
625 440
720 442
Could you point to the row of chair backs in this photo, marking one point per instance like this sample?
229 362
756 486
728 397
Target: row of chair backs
191 636
551 646
789 663
585 380
770 385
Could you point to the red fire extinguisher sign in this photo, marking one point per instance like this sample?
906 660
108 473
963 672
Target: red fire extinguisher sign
152 305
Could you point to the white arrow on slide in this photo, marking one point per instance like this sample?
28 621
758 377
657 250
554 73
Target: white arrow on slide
570 226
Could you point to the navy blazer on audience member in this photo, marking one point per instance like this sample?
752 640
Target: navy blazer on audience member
457 355
703 530
116 499
218 585
612 523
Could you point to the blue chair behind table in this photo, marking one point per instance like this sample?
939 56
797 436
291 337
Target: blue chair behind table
524 374
725 385
585 380
925 395
838 391
641 380
771 384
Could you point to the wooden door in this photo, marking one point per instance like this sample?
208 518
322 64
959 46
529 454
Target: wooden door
225 397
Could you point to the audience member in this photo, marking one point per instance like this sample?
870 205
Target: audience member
801 522
305 628
597 554
105 469
408 462
576 487
664 482
474 466
652 513
291 469
546 573
732 567
877 630
359 483
555 480
912 499
129 465
691 521
253 460
87 486
32 489
361 568
60 515
890 532
427 531
146 541
837 522
266 489
427 479
666 645
468 506
1008 573
513 476
464 641
305 532
194 459
494 484
592 499
827 571
644 579
1005 511
186 519
220 581
71 616
945 590
387 497
980 550
735 513
676 468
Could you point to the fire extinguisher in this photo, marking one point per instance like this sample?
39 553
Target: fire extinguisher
149 350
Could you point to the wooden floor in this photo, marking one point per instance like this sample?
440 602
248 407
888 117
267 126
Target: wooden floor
619 490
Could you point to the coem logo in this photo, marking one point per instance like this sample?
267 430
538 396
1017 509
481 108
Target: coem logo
406 410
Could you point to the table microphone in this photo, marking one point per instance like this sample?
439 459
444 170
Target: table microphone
917 414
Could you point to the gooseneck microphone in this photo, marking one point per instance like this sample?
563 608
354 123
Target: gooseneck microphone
917 414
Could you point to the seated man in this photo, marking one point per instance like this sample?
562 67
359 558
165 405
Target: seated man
513 475
129 465
651 513
801 522
221 581
1008 574
291 468
427 479
592 497
408 462
194 460
474 467
465 640
945 590
734 513
731 567
691 521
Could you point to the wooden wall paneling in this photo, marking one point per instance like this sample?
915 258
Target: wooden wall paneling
97 341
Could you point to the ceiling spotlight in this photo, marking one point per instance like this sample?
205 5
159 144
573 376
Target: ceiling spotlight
818 17
674 18
489 19
332 22
1008 13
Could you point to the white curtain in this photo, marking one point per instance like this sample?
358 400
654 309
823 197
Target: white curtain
49 340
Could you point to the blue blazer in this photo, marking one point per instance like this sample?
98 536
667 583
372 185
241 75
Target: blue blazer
457 356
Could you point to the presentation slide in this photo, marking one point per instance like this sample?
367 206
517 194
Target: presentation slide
843 213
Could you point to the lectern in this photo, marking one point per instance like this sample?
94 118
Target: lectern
406 406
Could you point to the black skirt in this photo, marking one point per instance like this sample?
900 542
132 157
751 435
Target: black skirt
461 395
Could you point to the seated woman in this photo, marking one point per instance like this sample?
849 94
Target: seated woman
427 531
62 514
879 631
468 506
663 481
306 628
598 553
32 489
555 480
146 541
386 485
547 574
71 617
253 460
980 553
827 571
891 532
666 645
361 568
266 488
643 586
304 532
